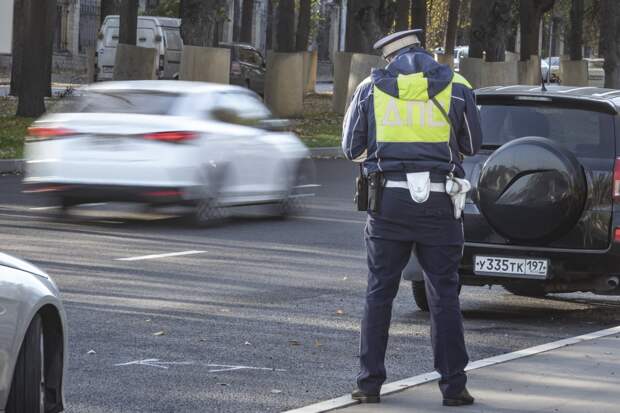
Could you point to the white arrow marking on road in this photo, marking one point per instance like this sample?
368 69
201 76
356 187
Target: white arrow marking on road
150 257
215 368
155 363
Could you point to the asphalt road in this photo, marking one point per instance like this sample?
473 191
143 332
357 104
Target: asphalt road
264 319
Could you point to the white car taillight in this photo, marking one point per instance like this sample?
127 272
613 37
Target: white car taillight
38 132
173 136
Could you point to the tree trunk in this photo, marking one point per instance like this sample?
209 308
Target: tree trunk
367 22
418 18
498 26
453 21
402 15
285 30
303 26
17 47
50 22
34 81
236 34
575 35
270 18
490 24
128 22
610 41
247 17
200 20
530 13
477 36
109 7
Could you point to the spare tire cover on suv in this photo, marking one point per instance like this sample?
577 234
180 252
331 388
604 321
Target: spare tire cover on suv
532 190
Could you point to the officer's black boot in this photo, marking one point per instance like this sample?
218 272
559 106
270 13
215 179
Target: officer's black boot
365 397
463 399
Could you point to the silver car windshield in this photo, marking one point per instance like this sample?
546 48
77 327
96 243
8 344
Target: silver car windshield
110 101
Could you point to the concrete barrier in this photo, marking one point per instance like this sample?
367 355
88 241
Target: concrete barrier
481 74
512 57
342 67
574 72
311 63
205 64
361 66
529 71
471 69
284 84
445 59
90 64
135 63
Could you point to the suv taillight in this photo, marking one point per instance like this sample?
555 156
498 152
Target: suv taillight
617 235
175 136
617 181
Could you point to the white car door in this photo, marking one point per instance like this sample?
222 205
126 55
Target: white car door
256 168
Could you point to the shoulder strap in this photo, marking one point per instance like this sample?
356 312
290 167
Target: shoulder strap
447 118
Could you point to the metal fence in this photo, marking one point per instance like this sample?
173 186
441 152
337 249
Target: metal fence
89 25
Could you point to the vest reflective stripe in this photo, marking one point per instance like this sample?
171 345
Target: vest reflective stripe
419 120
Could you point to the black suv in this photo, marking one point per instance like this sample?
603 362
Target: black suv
543 215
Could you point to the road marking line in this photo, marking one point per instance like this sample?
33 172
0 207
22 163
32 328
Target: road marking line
154 256
400 385
45 208
215 368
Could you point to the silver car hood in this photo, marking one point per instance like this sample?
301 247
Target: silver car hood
12 262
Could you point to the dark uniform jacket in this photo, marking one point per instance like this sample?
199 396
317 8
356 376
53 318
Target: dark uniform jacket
401 139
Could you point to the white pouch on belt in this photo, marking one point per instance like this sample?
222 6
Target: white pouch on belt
419 184
457 189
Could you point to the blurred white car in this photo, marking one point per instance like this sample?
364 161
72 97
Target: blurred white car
32 339
200 145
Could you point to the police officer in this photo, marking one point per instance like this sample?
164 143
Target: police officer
408 125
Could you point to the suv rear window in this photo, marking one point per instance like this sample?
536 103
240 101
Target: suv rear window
144 103
584 132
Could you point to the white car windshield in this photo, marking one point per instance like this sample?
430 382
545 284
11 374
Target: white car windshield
119 101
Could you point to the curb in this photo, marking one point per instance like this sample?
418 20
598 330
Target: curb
14 166
330 152
11 166
404 384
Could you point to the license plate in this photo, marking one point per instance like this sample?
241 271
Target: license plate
515 267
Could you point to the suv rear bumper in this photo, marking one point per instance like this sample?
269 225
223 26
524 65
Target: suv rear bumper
565 265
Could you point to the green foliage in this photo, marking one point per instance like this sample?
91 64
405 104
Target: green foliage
165 8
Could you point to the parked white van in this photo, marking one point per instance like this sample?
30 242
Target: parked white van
161 33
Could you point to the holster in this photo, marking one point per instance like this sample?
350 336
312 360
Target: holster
375 191
361 191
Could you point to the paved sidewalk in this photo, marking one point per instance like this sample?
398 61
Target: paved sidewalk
580 378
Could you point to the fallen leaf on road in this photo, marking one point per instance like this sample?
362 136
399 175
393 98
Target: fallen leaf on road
276 391
91 352
317 343
294 342
339 312
160 333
